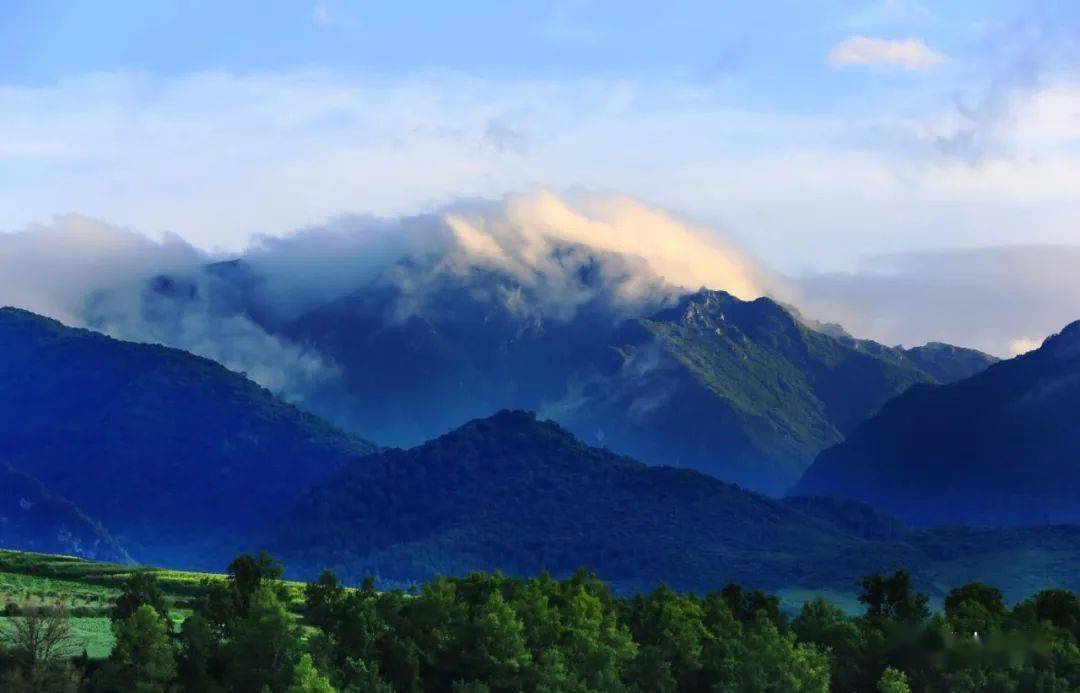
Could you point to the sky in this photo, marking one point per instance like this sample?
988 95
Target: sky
841 144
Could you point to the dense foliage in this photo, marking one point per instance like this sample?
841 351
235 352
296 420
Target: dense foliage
996 449
489 632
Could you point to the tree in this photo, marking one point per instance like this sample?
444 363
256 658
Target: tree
745 604
143 659
893 681
265 645
41 642
141 588
247 574
1060 608
496 643
323 600
307 679
772 661
199 666
891 598
975 608
670 630
828 628
594 645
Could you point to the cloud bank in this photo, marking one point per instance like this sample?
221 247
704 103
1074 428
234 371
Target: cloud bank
538 255
222 158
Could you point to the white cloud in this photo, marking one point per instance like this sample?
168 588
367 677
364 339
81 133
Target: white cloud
1023 345
864 51
219 158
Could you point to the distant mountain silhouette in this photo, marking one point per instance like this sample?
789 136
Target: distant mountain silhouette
33 519
180 459
999 448
513 493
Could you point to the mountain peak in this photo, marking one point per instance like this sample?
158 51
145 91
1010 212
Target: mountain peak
1064 344
709 308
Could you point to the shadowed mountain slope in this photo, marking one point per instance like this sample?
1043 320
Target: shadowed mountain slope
33 519
520 495
744 390
179 458
999 448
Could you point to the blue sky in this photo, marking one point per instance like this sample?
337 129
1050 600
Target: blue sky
825 138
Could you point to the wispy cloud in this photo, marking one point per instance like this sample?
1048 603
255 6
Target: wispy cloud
1004 300
864 51
218 157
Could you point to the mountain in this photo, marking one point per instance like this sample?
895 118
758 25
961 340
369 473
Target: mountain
410 373
999 448
33 519
520 495
743 390
180 459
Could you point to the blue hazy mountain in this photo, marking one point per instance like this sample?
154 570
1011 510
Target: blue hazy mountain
744 390
179 458
999 448
521 495
33 519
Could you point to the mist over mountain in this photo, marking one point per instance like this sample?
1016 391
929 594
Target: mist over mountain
999 448
400 329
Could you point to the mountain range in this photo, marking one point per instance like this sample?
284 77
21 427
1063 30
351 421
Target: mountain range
999 448
747 391
743 390
140 450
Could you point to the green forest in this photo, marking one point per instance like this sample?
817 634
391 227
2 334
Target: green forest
252 631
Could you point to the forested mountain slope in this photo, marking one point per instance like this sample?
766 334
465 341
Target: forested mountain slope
520 495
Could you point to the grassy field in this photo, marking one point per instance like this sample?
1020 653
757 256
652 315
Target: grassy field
35 577
89 589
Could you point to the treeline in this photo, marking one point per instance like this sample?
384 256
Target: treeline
489 632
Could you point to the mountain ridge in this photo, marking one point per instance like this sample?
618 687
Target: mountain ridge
997 448
158 445
744 390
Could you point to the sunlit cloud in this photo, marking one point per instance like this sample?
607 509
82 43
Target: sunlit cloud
864 51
